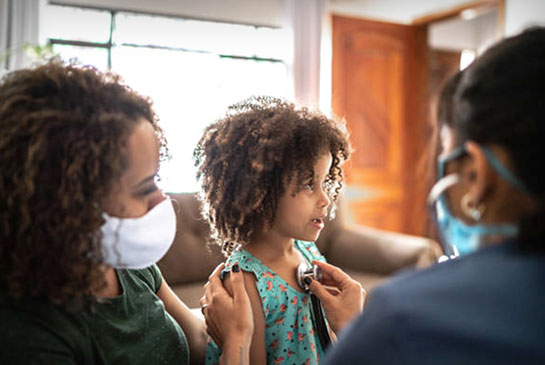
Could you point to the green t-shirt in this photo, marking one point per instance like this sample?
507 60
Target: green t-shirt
132 328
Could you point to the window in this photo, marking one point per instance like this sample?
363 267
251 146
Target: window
191 69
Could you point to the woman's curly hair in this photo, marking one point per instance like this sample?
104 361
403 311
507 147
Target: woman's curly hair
63 131
247 159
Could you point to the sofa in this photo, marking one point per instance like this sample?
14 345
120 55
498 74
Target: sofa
369 255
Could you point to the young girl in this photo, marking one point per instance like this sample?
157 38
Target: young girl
270 175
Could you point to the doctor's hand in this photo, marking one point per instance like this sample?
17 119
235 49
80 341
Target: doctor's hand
229 319
342 297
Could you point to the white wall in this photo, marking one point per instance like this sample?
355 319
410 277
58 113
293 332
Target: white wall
453 34
520 14
257 12
487 31
459 34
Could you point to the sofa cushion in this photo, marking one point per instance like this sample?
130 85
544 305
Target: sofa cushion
190 259
190 294
382 252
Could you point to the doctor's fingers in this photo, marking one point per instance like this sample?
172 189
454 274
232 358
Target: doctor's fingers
333 275
321 292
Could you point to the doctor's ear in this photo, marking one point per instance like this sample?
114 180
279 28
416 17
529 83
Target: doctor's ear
481 176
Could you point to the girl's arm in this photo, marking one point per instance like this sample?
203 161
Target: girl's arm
193 327
257 348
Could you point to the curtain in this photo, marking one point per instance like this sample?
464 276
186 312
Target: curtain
3 34
19 26
305 18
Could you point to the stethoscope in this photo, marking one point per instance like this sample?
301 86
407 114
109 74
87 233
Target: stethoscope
315 273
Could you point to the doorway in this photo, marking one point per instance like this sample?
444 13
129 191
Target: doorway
456 37
385 78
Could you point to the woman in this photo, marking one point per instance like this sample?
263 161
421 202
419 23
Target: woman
487 305
83 224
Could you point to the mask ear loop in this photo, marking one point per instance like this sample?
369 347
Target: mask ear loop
441 186
435 193
506 174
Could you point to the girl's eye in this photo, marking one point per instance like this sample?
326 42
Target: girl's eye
309 186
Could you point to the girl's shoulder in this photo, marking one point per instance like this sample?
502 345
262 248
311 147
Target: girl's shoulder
246 261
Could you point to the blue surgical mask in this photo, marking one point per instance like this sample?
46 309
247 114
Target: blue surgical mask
460 238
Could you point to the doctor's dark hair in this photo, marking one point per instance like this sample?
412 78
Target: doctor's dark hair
247 160
499 99
63 131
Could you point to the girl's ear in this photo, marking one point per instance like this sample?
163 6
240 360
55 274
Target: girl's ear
481 177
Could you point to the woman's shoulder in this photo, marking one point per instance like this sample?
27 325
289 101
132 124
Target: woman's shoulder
35 329
150 276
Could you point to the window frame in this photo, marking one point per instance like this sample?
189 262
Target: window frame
110 44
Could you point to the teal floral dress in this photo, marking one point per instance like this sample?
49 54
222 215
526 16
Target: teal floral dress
290 334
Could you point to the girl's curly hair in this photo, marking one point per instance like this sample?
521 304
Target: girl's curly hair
63 130
247 159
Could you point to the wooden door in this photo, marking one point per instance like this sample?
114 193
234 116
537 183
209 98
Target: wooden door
442 65
380 87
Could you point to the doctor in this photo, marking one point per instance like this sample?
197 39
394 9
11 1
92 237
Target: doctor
486 306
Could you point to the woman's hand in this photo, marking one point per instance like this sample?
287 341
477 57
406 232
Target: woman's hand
229 319
342 297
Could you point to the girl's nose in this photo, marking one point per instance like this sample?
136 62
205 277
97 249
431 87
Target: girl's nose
324 198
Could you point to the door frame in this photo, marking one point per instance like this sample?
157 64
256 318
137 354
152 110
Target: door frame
477 7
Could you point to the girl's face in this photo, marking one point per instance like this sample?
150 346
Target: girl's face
136 192
302 216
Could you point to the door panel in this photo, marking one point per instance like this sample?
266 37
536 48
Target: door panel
380 87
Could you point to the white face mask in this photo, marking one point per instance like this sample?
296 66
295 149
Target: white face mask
137 243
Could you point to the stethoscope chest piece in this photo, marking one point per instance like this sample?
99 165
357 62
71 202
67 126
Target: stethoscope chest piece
314 272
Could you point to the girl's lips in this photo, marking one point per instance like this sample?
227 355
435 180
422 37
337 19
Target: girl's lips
318 223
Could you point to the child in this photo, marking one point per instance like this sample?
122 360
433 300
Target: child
270 173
